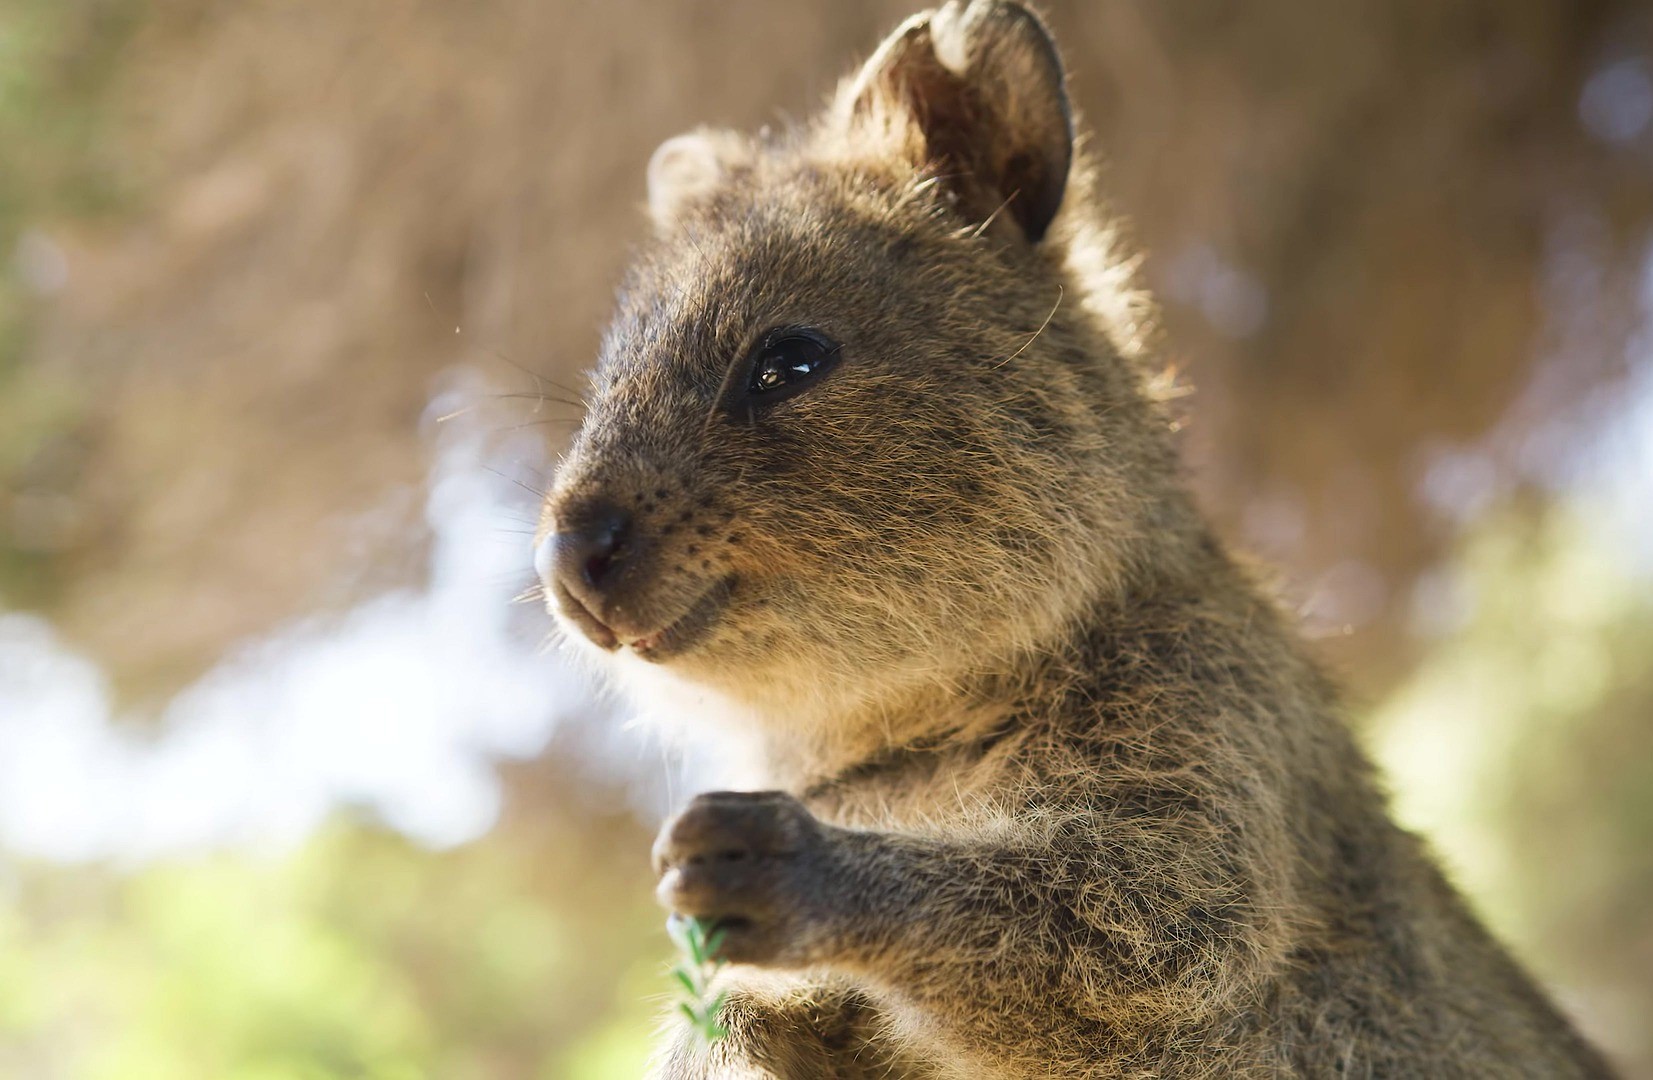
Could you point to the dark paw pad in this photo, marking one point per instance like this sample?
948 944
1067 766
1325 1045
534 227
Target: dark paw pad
745 863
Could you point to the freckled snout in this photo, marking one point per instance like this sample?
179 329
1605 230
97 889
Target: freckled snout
580 563
644 569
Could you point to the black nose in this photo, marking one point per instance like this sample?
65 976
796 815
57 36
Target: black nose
590 548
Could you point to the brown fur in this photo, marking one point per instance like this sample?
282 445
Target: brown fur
1061 794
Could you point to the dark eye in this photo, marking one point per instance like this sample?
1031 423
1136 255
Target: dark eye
787 362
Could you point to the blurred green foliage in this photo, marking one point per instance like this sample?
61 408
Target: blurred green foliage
56 168
1523 748
359 956
56 65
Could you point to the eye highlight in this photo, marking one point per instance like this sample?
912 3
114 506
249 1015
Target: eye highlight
788 361
785 362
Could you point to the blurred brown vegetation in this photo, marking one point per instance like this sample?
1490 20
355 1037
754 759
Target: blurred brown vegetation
317 195
250 236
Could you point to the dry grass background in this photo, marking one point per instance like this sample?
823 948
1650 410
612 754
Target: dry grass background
324 193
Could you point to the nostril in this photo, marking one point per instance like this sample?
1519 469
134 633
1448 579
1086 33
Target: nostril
586 554
603 542
596 568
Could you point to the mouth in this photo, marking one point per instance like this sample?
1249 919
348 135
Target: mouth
656 645
577 613
688 628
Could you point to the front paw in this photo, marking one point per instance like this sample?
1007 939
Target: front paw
753 866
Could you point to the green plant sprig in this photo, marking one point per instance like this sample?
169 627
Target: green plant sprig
694 973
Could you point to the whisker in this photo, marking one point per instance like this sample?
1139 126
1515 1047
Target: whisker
538 398
694 243
722 389
532 374
1036 333
553 638
534 491
569 420
975 234
445 417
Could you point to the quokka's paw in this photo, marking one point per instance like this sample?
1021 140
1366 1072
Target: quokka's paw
751 864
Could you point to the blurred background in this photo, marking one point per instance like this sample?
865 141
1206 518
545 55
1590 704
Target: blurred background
294 301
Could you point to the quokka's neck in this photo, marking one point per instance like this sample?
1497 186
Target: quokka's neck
1193 614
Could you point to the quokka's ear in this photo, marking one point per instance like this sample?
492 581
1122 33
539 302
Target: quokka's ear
981 84
689 169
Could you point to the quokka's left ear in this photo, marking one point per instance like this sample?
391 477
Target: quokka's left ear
980 88
688 170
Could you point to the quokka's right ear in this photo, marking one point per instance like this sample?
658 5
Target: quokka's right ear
688 170
974 92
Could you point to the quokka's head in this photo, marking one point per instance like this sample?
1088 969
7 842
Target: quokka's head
861 417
